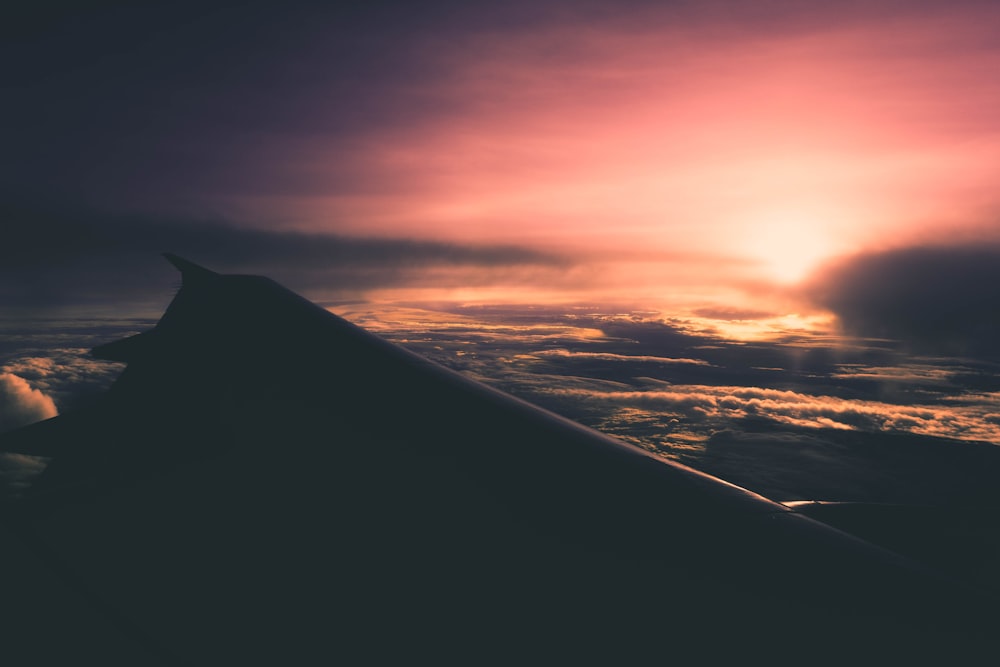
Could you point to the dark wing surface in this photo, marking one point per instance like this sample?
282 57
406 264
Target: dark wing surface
267 483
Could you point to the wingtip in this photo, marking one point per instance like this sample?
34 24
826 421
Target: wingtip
190 272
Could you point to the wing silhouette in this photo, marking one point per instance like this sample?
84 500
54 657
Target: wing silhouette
268 483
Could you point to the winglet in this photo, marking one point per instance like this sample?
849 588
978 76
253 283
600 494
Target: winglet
190 272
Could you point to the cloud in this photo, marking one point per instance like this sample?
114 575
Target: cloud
733 314
911 373
55 256
968 418
53 355
937 299
17 471
789 463
667 390
68 376
21 405
608 356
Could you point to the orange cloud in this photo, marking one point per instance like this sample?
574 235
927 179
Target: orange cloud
20 404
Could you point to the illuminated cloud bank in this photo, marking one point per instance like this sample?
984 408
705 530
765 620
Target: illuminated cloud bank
795 418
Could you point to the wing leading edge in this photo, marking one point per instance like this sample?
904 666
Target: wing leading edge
267 481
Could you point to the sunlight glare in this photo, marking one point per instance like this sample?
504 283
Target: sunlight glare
791 245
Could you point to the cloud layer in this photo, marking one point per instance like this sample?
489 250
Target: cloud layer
720 405
790 418
794 419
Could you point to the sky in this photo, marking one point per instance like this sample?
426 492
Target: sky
681 152
774 179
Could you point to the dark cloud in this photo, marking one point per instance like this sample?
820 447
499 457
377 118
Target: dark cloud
52 257
935 299
18 471
792 463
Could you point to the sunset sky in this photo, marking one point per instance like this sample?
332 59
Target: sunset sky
761 172
688 153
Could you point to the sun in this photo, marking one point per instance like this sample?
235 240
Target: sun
790 246
790 260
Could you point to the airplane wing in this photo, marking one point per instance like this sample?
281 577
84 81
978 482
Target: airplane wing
268 483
